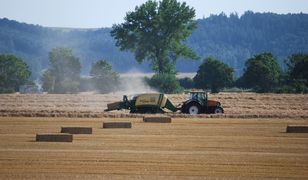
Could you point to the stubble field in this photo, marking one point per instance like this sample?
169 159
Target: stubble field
236 105
248 142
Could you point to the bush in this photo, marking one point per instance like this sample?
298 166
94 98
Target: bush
235 89
284 89
300 85
165 83
187 83
6 90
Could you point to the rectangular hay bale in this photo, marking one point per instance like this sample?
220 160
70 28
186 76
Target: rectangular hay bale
297 129
76 130
114 106
54 137
117 125
155 119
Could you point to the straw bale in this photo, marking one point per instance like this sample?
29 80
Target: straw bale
63 137
76 130
157 119
297 129
117 125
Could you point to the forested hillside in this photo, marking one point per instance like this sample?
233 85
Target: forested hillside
231 39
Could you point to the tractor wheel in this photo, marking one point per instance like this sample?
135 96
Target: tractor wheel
218 110
193 108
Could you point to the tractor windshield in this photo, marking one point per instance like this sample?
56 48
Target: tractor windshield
197 95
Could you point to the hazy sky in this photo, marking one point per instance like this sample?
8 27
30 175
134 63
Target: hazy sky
104 13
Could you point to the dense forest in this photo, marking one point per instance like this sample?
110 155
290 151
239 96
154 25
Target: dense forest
232 39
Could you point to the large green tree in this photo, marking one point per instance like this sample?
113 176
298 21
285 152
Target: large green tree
63 74
155 31
13 73
214 74
104 78
262 73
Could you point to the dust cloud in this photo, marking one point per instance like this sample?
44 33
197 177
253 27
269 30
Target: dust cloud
134 82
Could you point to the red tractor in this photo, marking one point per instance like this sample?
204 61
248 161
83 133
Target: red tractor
198 103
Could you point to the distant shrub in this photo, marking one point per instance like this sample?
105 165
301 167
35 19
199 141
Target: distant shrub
236 89
166 83
295 87
6 90
186 83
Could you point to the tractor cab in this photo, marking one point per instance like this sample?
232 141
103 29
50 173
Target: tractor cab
199 96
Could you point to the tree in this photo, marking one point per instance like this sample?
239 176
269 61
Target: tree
297 66
104 79
155 32
213 74
13 73
64 72
262 73
297 73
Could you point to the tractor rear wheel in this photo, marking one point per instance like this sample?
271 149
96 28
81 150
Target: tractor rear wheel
193 108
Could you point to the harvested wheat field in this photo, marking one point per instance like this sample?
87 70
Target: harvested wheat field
236 105
184 149
249 141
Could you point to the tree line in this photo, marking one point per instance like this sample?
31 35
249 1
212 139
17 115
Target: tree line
262 74
62 75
